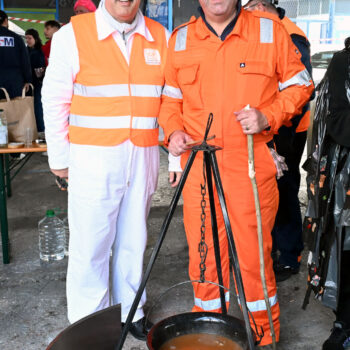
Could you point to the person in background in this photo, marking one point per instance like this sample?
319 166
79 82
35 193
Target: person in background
51 27
220 63
101 99
290 142
328 221
84 6
37 61
15 70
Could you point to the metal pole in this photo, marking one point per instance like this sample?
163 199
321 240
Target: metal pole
22 163
57 13
3 213
214 225
156 250
8 176
170 15
232 247
331 21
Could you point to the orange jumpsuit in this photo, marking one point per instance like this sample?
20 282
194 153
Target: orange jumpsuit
257 64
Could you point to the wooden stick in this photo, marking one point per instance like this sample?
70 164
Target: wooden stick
260 233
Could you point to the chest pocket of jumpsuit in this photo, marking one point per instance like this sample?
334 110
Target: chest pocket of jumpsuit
190 86
254 73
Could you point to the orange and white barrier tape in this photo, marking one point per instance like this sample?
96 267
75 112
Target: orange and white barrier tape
26 20
29 20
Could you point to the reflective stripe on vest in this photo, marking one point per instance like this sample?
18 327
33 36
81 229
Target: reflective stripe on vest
117 122
211 305
114 101
266 31
118 90
302 78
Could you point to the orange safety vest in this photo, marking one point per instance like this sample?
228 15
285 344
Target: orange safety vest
292 28
112 100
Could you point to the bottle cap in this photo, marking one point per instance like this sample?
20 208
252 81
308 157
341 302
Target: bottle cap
50 213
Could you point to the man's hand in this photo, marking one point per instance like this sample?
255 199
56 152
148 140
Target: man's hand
177 143
60 172
252 121
174 178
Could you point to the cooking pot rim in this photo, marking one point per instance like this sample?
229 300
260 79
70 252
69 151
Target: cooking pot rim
194 317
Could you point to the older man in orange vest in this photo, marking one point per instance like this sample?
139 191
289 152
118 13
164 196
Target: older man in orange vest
221 62
101 99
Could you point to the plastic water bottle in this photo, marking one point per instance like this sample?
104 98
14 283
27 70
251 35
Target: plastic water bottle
51 237
3 130
66 232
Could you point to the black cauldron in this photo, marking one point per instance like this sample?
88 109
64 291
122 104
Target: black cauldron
197 322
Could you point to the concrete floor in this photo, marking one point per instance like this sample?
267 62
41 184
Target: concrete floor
32 295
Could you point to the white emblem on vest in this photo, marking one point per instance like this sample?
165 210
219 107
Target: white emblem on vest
152 57
7 41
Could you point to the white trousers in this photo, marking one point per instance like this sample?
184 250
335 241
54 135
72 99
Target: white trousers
110 191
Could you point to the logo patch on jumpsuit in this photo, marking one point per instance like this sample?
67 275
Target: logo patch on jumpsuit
152 57
7 41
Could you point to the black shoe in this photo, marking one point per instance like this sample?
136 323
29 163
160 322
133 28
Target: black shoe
139 330
339 338
283 272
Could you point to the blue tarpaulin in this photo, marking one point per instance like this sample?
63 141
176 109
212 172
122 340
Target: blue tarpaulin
158 10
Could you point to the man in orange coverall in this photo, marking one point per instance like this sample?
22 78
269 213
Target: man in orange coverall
221 62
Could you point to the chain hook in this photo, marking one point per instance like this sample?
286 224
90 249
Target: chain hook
202 246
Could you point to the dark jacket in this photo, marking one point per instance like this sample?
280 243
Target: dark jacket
338 126
37 60
327 222
15 68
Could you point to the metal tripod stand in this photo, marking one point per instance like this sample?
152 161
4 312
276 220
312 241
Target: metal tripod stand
211 168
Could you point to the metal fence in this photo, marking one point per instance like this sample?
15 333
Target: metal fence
325 22
300 8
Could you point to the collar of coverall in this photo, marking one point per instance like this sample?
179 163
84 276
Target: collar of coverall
235 27
229 27
106 26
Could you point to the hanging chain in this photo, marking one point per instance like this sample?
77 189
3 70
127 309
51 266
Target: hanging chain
202 246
